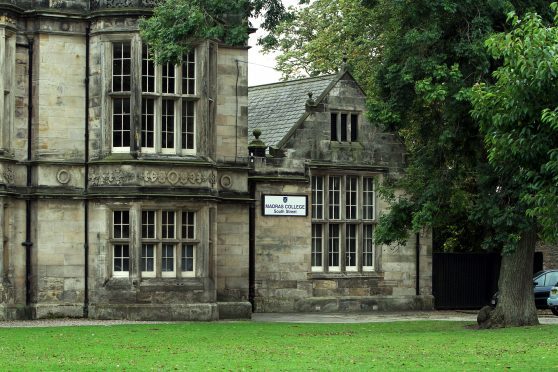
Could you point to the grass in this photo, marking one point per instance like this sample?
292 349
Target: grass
436 345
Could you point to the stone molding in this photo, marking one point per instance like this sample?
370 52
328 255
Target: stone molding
120 177
7 176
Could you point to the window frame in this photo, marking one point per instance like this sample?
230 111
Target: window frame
145 133
120 241
181 229
356 250
344 126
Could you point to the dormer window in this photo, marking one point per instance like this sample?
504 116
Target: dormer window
344 126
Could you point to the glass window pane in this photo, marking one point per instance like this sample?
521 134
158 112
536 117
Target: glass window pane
354 127
333 128
317 197
317 245
350 246
148 257
168 223
121 225
167 258
188 225
167 124
333 246
121 122
147 123
168 78
368 246
188 120
334 197
187 257
351 192
368 198
147 70
121 67
343 127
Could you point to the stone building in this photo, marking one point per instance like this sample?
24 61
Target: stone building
127 190
322 147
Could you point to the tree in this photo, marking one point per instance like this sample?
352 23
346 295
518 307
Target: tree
432 57
316 38
176 25
518 115
427 56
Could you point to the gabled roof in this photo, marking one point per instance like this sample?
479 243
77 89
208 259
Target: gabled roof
276 108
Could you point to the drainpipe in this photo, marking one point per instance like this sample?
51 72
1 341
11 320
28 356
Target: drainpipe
28 244
86 183
252 245
417 264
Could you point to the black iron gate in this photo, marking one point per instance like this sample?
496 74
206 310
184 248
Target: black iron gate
464 280
467 280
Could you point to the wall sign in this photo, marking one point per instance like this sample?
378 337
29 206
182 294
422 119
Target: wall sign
285 205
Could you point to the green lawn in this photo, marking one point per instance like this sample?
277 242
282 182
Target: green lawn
274 346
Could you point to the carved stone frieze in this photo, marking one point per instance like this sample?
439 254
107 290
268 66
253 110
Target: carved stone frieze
7 176
120 177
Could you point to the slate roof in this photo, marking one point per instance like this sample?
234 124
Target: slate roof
276 108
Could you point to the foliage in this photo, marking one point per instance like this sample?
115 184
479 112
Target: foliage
417 62
431 53
236 346
315 39
519 121
176 25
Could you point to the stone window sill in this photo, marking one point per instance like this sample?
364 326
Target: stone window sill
347 275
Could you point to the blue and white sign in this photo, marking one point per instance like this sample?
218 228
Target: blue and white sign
285 205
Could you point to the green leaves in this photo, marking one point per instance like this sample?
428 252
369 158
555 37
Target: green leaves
518 119
177 25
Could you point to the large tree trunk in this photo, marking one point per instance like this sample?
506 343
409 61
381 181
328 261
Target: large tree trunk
516 302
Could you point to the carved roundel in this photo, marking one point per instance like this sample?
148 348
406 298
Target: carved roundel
226 182
63 176
173 177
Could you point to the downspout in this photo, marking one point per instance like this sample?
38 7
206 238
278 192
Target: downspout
417 264
28 244
236 113
86 183
252 245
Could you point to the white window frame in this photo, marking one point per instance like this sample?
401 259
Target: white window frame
365 240
138 94
351 192
161 94
317 238
149 239
120 240
180 229
121 94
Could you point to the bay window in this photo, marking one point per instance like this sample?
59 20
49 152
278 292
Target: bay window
165 99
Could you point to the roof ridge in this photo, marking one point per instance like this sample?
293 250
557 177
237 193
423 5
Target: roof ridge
323 77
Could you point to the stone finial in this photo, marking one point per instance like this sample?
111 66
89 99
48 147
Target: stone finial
257 147
310 101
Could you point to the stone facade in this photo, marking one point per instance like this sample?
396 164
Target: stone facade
85 203
347 273
127 189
